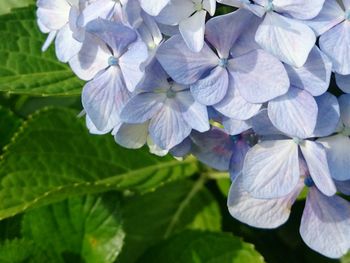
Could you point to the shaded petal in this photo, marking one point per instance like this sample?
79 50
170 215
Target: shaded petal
92 58
131 63
254 86
294 113
289 40
175 12
325 224
314 76
335 43
132 136
330 15
194 113
153 7
343 186
142 107
262 124
240 149
233 24
343 82
338 156
316 159
344 104
214 148
168 128
213 88
299 9
261 213
182 64
271 169
192 30
103 97
328 115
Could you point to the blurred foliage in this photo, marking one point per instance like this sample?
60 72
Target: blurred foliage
68 196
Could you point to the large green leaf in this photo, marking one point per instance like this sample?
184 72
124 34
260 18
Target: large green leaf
9 124
24 68
7 5
53 157
154 216
206 247
87 228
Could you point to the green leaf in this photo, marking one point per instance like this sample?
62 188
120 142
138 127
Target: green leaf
53 157
24 68
9 124
16 251
155 216
224 185
206 247
7 5
345 259
87 227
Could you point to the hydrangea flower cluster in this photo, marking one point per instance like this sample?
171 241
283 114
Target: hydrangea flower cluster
245 92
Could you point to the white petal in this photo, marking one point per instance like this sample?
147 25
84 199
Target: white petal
153 7
66 45
132 136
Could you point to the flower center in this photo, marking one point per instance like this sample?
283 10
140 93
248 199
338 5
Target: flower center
347 15
113 61
223 62
309 182
297 140
269 7
198 6
170 94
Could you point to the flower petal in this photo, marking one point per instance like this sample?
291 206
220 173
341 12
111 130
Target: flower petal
325 224
338 156
66 45
271 169
153 8
344 104
254 86
182 64
294 113
132 136
289 40
299 9
343 82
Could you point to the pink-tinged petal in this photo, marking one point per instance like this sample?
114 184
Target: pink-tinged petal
183 65
335 43
132 136
192 30
331 15
234 127
103 97
233 24
328 115
153 8
168 128
194 113
53 14
213 88
235 106
214 148
66 45
271 169
314 76
344 104
289 40
254 86
343 82
92 58
299 9
325 224
295 113
316 159
338 156
261 213
131 64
